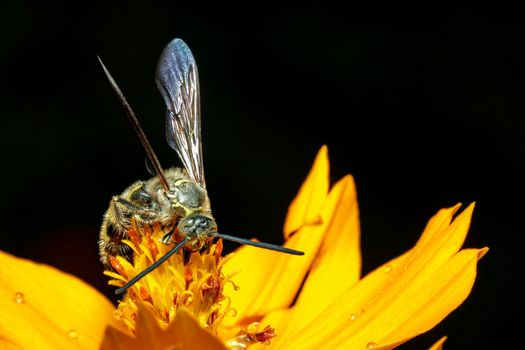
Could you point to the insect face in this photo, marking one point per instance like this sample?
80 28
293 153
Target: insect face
146 203
197 228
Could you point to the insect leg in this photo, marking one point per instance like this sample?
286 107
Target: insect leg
166 238
114 229
127 204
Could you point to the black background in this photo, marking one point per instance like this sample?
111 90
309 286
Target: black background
422 105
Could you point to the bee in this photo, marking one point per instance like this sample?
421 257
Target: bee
176 198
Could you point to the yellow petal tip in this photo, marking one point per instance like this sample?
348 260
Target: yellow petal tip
305 208
482 252
439 344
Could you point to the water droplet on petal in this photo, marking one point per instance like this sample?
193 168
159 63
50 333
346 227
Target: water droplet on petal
72 334
19 298
371 345
387 269
353 316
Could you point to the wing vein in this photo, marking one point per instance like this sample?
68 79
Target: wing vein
178 82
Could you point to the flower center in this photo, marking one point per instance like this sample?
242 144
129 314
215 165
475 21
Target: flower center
190 280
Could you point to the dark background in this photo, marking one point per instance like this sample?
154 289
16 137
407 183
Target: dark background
422 105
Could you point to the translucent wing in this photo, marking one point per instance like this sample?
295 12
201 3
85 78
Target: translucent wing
178 81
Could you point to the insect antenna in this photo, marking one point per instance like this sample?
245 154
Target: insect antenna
181 244
263 245
152 266
154 161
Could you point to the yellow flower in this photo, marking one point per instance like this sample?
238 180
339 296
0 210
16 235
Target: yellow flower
253 298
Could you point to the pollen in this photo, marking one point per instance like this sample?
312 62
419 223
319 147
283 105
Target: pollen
194 283
191 282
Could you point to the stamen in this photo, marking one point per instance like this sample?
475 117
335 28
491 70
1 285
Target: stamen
115 263
195 283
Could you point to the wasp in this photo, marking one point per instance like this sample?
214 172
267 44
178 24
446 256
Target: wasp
176 198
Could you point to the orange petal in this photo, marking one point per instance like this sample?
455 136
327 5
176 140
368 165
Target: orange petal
403 298
338 262
452 283
268 279
304 209
184 333
43 308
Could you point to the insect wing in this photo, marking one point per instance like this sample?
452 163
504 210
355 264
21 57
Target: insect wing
178 81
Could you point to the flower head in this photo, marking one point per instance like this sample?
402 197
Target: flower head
195 285
254 298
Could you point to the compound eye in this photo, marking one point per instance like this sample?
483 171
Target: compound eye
186 224
197 225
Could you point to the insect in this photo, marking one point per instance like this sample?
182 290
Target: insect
176 198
